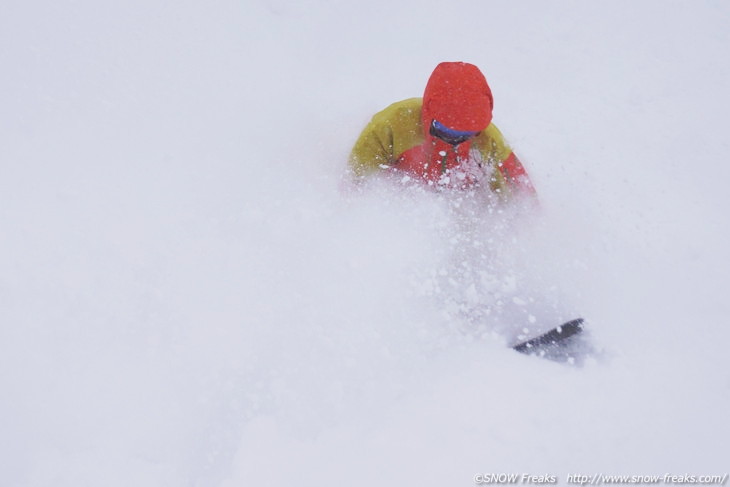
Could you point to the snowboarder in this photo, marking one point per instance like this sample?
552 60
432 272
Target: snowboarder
445 139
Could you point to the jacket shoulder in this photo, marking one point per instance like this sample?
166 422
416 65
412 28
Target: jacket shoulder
492 144
390 132
406 112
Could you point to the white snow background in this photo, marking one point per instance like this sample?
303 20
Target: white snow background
190 295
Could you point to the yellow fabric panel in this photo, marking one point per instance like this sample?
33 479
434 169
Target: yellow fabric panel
492 145
494 150
391 132
398 128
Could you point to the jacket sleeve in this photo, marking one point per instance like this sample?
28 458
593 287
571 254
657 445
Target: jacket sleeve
373 149
515 174
509 173
392 131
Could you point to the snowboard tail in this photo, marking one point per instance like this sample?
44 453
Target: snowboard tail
552 338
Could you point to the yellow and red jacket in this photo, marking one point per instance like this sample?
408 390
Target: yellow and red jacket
397 139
